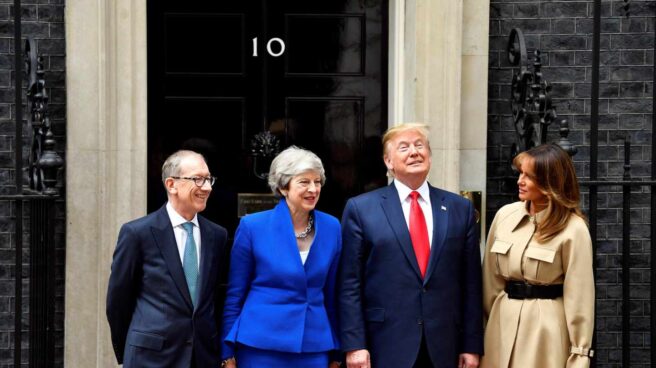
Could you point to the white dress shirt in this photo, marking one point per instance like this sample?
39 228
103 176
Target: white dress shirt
181 233
424 202
304 255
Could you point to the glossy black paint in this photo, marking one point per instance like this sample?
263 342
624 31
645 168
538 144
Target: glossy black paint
326 93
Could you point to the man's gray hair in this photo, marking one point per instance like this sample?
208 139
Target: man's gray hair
171 166
292 162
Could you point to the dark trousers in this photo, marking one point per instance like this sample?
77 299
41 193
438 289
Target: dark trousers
423 358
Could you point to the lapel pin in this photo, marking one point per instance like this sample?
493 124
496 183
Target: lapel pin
443 208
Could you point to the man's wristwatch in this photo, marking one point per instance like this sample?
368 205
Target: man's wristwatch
226 361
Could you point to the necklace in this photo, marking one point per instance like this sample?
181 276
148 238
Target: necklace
303 234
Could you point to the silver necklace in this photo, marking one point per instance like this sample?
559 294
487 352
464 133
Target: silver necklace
303 234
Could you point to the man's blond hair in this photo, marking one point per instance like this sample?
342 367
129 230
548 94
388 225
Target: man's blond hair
392 132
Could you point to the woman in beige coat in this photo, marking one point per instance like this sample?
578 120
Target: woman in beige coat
538 287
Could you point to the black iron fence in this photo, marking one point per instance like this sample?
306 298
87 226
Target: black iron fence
627 184
34 198
533 113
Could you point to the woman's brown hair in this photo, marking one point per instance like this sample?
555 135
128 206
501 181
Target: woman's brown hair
556 178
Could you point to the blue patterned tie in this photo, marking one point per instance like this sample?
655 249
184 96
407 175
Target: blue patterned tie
190 261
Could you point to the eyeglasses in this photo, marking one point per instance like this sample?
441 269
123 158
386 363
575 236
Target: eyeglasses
198 180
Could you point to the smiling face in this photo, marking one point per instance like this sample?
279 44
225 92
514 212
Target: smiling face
302 192
408 157
527 183
185 196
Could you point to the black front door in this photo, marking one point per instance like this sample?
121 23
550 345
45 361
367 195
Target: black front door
218 76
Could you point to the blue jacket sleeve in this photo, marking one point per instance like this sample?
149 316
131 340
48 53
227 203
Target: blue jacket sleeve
239 280
330 292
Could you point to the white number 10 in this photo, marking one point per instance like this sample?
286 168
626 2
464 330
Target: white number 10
280 42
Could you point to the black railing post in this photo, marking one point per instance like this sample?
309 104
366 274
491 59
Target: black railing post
18 225
652 251
594 133
626 255
42 283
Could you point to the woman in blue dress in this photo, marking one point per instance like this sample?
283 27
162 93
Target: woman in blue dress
280 303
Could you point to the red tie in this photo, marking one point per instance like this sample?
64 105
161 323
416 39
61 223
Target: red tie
419 233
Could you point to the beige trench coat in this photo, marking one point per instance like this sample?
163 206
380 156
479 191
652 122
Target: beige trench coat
537 333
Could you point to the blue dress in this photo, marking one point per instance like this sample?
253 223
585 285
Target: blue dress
248 357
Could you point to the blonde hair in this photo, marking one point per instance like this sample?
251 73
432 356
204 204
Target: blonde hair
401 128
555 177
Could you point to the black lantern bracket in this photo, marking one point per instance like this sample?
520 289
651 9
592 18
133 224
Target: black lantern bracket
530 99
44 161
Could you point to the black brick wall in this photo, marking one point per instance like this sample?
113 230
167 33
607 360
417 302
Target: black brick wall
43 20
562 31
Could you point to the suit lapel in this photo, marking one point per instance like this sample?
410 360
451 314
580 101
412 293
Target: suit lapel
207 252
394 213
165 240
440 210
285 245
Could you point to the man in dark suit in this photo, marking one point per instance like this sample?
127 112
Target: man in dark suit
410 277
161 297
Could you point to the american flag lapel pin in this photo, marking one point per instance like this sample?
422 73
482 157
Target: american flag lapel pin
443 208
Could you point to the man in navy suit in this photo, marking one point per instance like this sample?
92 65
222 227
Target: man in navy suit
410 276
161 299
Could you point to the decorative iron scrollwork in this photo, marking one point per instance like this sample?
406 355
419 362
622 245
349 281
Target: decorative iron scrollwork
264 147
626 8
44 162
530 98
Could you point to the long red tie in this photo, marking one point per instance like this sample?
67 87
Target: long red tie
419 233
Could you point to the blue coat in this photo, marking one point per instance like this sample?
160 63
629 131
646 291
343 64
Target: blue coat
274 302
385 306
152 320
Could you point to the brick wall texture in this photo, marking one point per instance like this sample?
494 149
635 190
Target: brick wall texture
562 31
44 21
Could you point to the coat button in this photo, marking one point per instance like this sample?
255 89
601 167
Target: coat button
420 321
423 290
190 341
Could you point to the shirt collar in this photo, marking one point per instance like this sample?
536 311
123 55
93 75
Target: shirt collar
517 217
404 190
176 219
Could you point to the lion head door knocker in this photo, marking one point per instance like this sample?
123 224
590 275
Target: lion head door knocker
264 147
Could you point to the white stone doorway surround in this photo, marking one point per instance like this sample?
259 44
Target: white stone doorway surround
437 75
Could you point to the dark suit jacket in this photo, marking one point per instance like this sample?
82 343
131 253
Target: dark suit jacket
384 304
151 317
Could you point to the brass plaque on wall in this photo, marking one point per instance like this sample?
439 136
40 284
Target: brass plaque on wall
475 197
255 202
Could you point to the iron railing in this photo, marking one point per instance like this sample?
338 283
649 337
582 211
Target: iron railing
627 183
39 196
533 113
